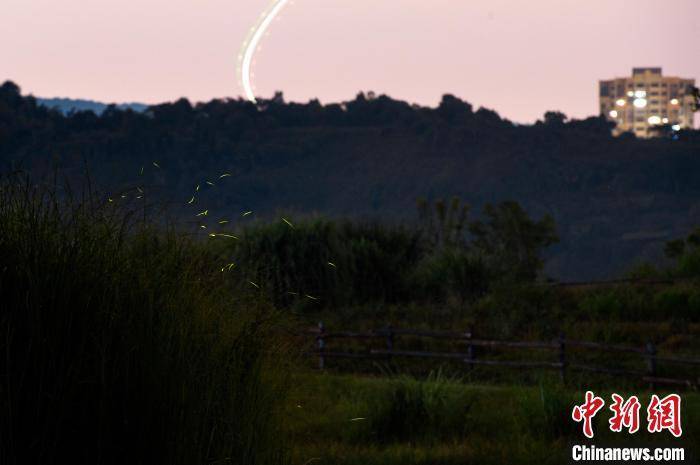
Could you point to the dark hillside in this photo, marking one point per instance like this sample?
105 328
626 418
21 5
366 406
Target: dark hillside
615 200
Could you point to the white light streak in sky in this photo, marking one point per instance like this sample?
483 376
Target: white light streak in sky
251 45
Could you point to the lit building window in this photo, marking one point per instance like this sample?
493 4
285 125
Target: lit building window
645 100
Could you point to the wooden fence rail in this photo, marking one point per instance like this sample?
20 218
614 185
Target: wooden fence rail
564 348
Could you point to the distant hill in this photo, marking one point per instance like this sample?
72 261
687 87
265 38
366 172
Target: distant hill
615 200
66 105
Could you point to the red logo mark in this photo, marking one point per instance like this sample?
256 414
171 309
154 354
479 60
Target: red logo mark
587 411
665 414
625 414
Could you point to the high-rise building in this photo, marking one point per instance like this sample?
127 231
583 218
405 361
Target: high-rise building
647 100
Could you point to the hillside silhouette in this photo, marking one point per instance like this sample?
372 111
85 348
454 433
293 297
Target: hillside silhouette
615 200
68 105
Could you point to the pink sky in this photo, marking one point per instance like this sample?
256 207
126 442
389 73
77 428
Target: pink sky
519 57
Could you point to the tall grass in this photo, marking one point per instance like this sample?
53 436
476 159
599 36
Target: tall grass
328 262
121 344
443 421
414 409
333 263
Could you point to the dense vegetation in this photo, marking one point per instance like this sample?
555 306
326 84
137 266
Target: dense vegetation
126 345
615 200
439 420
445 257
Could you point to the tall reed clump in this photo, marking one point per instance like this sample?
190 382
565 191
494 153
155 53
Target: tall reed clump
125 345
332 262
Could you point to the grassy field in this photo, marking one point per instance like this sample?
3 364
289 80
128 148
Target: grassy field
342 419
127 342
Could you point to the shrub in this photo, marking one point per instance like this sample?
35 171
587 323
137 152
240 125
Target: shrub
689 264
694 305
643 270
672 302
602 304
451 272
433 409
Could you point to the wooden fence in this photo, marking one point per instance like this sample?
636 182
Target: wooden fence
562 347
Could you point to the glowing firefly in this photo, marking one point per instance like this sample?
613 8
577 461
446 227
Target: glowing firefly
251 45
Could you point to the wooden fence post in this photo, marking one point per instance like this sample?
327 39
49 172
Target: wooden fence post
389 340
321 346
470 349
562 356
651 363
